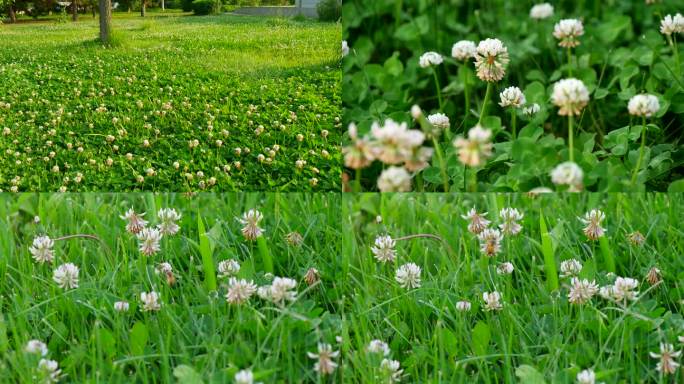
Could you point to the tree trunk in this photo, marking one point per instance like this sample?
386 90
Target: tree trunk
105 20
142 8
12 15
92 8
74 10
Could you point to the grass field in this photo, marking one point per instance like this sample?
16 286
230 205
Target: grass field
178 103
195 332
538 336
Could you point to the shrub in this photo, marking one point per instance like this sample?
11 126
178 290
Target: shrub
186 5
206 7
329 10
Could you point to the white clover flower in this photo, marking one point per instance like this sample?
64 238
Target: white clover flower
586 376
150 301
581 291
280 290
592 220
383 250
568 173
325 356
463 306
136 223
531 110
490 241
244 376
477 221
395 143
477 148
667 364
429 59
636 238
250 221
463 50
345 48
416 112
420 158
41 249
239 291
49 370
149 239
361 153
653 276
168 218
394 179
570 96
121 306
36 347
440 122
570 268
512 97
66 276
505 268
643 105
541 11
378 346
391 370
408 276
492 301
491 60
510 217
623 289
670 24
228 268
568 31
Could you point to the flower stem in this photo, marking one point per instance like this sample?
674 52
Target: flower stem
641 150
439 90
571 139
513 116
570 61
442 164
676 54
484 103
466 89
357 181
473 181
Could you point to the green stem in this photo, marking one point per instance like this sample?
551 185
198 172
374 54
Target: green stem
641 150
357 181
442 164
484 104
473 181
439 90
513 116
571 139
570 61
676 54
466 87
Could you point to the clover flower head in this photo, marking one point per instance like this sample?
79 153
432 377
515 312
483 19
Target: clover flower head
492 301
592 221
570 96
568 173
383 250
510 217
667 355
325 355
429 59
478 223
394 179
41 249
643 105
476 149
672 24
512 97
239 291
150 301
582 290
491 60
490 241
568 31
168 218
66 276
463 50
570 268
541 11
250 221
408 276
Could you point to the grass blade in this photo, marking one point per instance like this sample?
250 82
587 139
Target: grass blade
549 259
607 253
265 254
206 254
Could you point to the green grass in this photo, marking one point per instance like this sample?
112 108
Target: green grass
538 332
195 327
170 80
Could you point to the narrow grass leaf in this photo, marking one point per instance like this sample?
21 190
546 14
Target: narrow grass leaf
549 259
265 254
607 253
206 254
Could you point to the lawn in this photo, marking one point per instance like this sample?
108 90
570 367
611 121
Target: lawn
537 335
192 331
178 103
510 96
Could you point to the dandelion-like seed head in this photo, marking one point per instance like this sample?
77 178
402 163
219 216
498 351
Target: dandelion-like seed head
570 96
383 250
643 105
408 276
491 60
464 50
512 97
568 31
66 276
250 221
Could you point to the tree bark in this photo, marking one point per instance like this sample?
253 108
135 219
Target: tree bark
74 10
142 8
12 15
105 20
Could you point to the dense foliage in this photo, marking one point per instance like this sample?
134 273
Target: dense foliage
621 54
